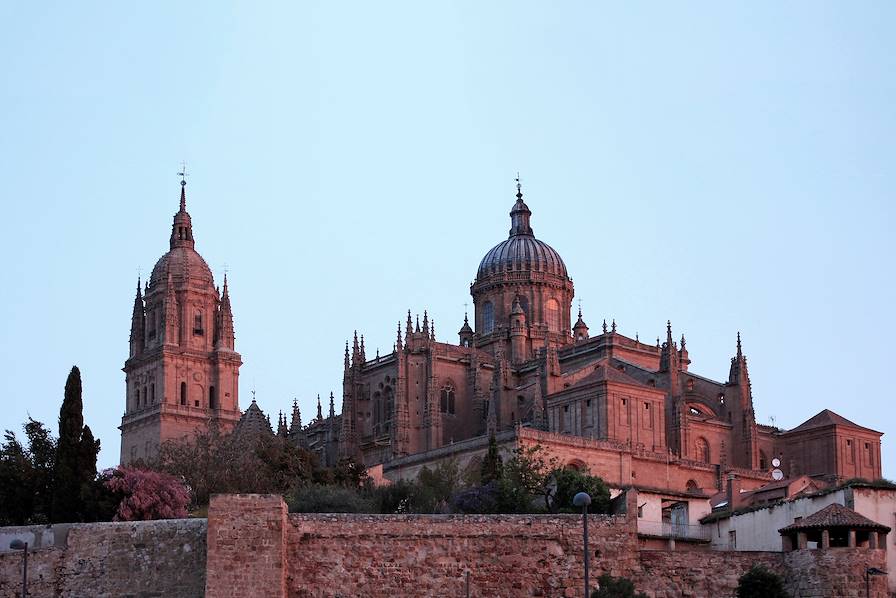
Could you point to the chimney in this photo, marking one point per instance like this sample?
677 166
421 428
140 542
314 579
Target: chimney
733 492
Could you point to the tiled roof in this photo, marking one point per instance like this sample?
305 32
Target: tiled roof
834 515
825 418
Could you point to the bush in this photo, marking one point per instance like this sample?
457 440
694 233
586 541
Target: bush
328 499
569 482
615 587
477 499
148 494
759 582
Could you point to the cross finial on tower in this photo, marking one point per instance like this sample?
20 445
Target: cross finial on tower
519 186
183 174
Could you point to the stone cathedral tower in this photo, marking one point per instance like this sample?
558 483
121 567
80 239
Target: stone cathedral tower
182 373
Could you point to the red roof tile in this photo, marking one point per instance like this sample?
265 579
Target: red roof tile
834 516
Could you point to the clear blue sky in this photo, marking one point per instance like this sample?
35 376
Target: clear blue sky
728 168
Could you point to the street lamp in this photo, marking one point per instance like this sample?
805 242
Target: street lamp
868 573
23 546
583 500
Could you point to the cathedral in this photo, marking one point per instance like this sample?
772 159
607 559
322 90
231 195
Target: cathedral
182 372
632 412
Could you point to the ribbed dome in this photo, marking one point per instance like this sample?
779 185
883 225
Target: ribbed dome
182 262
521 251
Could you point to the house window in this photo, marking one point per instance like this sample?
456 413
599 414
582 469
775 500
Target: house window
850 453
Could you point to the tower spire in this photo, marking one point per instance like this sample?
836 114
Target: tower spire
520 214
182 228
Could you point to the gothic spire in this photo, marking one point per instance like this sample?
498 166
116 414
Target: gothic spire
613 326
425 323
224 333
410 327
739 350
605 326
332 405
138 323
295 425
320 413
432 330
347 362
363 353
398 337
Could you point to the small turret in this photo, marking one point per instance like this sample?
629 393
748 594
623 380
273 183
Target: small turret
466 333
224 332
138 324
182 229
580 330
518 333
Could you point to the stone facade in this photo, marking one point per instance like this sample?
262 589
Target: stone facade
526 364
182 373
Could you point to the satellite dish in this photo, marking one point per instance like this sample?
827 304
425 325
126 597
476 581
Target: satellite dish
776 462
777 475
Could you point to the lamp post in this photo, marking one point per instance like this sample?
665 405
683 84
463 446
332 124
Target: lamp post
868 573
23 546
582 499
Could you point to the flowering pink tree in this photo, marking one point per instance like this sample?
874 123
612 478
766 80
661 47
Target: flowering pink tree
148 494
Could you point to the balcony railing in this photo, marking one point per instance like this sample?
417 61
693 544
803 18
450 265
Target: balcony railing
677 531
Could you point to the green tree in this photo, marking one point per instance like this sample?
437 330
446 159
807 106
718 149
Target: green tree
569 482
76 451
615 587
759 582
26 476
492 465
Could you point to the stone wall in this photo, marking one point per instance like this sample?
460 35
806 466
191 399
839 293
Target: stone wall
255 548
147 558
429 555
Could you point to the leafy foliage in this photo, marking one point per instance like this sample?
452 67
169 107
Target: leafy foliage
569 482
615 587
147 494
759 582
26 476
213 463
333 498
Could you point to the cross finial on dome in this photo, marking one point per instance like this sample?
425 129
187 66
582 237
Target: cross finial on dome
519 187
183 183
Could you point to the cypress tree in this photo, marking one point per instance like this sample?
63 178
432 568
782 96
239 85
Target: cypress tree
75 467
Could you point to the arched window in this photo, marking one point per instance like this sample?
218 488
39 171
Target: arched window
212 399
446 400
136 398
702 450
488 318
197 323
552 315
152 392
691 487
183 393
377 410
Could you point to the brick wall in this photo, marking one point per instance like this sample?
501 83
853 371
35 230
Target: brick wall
147 558
246 546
